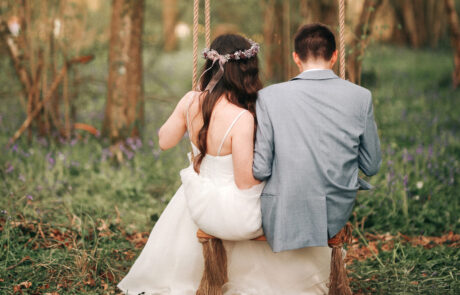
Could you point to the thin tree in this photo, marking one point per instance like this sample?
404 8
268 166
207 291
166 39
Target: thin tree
422 21
170 13
361 39
455 39
124 112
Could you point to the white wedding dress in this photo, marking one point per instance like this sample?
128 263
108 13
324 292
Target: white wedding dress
172 262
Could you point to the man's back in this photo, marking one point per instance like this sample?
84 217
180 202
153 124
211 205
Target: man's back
314 132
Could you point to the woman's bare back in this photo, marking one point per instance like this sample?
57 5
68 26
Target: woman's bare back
223 115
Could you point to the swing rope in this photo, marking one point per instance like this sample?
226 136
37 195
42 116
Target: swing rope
196 10
342 37
207 28
207 22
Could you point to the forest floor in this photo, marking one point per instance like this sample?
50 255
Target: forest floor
72 223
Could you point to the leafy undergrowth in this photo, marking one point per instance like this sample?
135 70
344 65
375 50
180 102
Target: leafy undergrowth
90 256
386 264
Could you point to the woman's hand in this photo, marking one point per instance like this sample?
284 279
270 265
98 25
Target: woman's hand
174 128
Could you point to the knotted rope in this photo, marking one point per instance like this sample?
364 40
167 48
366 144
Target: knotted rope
207 28
196 10
207 22
342 37
338 279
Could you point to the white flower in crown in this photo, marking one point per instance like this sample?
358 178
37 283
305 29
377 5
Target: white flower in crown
213 55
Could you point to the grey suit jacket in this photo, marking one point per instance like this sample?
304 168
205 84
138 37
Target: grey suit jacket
313 134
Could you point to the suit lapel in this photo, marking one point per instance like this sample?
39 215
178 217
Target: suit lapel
316 75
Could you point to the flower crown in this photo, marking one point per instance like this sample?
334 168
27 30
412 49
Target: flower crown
213 55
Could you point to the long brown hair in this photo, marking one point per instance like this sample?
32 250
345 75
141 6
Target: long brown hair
239 84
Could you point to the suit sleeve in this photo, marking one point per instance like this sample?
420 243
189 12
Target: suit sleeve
369 158
263 148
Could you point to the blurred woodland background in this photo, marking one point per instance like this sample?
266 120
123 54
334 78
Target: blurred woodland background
85 85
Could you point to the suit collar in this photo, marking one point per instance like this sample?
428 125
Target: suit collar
316 75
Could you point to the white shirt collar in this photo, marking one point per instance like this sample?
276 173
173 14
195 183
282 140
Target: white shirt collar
314 70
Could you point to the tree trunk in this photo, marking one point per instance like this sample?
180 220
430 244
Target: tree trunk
124 111
455 39
276 32
422 21
361 39
169 24
435 20
269 38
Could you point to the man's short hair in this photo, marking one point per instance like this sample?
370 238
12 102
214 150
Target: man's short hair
314 41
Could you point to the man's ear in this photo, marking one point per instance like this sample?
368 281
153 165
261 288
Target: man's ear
334 58
297 60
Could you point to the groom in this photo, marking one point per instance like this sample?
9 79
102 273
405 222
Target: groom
313 134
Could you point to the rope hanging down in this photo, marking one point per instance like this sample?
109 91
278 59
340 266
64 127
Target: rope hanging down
196 7
207 27
342 37
207 22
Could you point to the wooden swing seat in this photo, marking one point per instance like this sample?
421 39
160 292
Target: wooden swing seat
215 263
332 242
202 235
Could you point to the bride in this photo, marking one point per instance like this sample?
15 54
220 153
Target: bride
221 122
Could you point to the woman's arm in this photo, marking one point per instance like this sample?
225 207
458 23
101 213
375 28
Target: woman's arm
174 128
243 152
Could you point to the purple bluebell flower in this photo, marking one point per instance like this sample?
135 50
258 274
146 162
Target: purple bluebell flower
9 168
419 150
106 153
30 197
131 144
73 141
49 158
405 181
406 156
138 142
42 141
125 151
404 114
410 158
129 154
156 153
14 148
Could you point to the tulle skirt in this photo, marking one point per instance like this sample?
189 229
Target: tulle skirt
172 262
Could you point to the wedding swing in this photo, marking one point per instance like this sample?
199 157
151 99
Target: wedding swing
215 259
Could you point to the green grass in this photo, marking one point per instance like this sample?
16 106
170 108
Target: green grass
71 189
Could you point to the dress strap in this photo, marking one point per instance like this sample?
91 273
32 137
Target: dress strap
228 131
188 123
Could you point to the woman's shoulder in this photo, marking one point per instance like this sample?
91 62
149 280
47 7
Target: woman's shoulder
187 100
189 97
244 119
